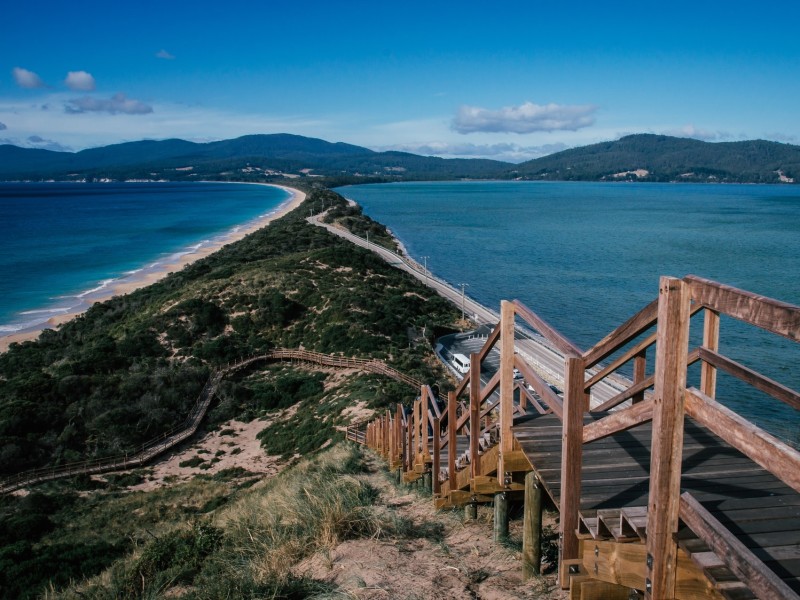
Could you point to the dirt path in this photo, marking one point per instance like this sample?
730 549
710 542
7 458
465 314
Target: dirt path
448 558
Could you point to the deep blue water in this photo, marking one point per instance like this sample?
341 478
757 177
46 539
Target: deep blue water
60 241
586 256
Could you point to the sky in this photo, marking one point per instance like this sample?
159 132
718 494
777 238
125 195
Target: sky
509 80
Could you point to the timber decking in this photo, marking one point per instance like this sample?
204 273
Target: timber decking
761 511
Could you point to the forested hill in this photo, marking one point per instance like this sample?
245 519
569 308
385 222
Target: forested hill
642 157
247 158
646 157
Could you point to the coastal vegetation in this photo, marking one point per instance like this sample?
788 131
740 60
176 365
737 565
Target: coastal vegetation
260 158
131 368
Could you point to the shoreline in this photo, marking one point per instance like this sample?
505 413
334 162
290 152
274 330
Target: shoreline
149 275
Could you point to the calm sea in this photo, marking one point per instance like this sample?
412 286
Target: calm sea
62 243
587 256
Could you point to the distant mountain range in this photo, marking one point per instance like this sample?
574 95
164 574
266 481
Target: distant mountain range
642 157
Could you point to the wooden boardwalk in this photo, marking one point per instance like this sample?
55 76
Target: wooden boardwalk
708 507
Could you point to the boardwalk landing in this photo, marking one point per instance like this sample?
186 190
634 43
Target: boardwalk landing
707 508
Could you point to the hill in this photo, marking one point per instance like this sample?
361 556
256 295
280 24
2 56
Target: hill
646 157
641 157
250 157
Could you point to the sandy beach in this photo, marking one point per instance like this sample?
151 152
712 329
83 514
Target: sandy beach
128 284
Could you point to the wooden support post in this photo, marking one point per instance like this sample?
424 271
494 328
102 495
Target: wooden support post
452 421
471 511
708 372
426 448
506 384
398 433
575 404
427 478
532 528
672 339
639 374
415 451
500 517
410 439
474 414
388 436
437 457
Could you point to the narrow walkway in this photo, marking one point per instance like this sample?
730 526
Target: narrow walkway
164 442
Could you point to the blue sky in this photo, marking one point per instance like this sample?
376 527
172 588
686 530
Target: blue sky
507 80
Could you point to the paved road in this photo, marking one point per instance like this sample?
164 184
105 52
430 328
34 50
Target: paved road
533 348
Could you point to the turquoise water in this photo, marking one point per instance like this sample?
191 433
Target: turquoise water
586 256
62 243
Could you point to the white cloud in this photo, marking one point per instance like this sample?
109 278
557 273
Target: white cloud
3 126
118 103
165 55
706 135
525 118
500 151
27 79
80 81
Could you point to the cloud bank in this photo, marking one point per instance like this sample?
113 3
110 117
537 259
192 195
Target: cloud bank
80 81
3 126
27 79
117 104
513 153
165 55
525 118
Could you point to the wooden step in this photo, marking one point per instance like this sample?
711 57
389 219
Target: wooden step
634 522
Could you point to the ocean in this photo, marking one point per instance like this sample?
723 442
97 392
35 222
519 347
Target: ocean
62 244
587 256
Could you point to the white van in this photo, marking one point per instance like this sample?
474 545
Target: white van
461 363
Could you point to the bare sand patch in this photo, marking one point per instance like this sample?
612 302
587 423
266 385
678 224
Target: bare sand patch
233 444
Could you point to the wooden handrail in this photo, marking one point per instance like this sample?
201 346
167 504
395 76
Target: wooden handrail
778 458
755 379
775 316
623 334
762 581
561 342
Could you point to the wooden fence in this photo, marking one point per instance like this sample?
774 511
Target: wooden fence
416 442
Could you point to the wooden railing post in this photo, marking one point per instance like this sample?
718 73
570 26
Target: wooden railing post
452 423
575 404
639 374
665 459
506 384
425 399
410 438
436 457
474 414
398 436
416 444
708 372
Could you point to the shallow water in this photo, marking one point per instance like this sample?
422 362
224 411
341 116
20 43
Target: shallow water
62 242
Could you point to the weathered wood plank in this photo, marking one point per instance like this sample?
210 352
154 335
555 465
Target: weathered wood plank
474 414
763 448
778 317
563 344
623 334
665 464
540 386
753 378
575 403
764 582
621 360
620 420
